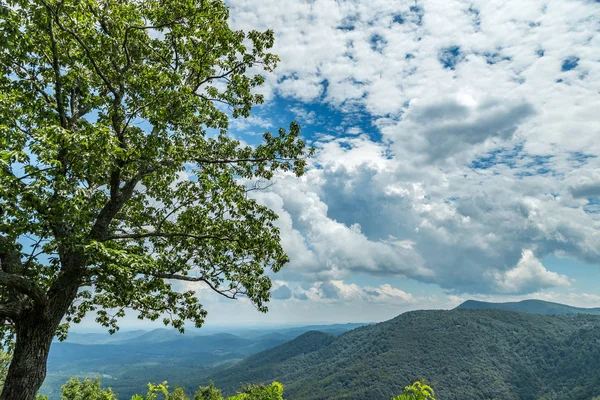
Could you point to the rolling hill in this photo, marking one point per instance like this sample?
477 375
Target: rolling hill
530 306
127 361
467 354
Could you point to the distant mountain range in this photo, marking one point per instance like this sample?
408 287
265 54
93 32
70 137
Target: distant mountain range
528 350
530 306
128 360
467 354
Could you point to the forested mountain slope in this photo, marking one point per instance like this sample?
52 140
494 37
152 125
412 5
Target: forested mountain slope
466 354
127 361
531 306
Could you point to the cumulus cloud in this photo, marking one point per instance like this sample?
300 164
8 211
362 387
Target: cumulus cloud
340 291
441 129
321 247
467 231
250 123
529 275
482 156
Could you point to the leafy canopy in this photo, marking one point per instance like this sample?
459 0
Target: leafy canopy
89 389
419 390
118 176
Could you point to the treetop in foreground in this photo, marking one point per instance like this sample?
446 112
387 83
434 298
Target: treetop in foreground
90 389
120 185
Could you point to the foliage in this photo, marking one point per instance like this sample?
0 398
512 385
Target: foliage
88 389
249 392
118 176
260 392
105 108
419 390
209 392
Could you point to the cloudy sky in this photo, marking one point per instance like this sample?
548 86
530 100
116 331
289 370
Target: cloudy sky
458 155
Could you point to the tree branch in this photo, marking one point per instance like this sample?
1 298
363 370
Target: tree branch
167 235
85 47
113 206
22 186
10 265
10 311
57 77
24 286
24 74
239 160
215 77
179 277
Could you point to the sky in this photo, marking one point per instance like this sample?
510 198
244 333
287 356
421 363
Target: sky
457 155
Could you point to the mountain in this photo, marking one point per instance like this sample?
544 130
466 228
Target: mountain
129 365
263 366
156 336
467 354
530 306
127 361
103 338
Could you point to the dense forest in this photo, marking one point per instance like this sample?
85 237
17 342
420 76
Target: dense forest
531 306
91 389
126 361
466 354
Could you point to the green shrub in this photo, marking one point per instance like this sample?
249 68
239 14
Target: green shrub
419 390
90 389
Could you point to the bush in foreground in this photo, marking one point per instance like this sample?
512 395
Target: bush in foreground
90 389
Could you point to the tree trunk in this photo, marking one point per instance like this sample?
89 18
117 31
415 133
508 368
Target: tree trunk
28 367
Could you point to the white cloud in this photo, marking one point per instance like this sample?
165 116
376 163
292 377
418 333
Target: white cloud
467 231
339 291
528 275
254 122
438 130
303 116
488 157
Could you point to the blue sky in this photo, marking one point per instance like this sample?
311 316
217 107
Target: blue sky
457 155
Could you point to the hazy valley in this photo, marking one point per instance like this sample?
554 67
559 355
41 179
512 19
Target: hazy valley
526 350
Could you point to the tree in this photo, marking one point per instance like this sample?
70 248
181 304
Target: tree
209 392
88 389
274 391
119 181
419 390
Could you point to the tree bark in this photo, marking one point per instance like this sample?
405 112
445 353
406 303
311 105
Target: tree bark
28 367
35 328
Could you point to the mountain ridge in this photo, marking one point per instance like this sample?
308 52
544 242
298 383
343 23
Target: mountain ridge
531 306
468 354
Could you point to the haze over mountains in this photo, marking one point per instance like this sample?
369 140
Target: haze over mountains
466 354
127 360
526 350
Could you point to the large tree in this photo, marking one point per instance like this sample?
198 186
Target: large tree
118 177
